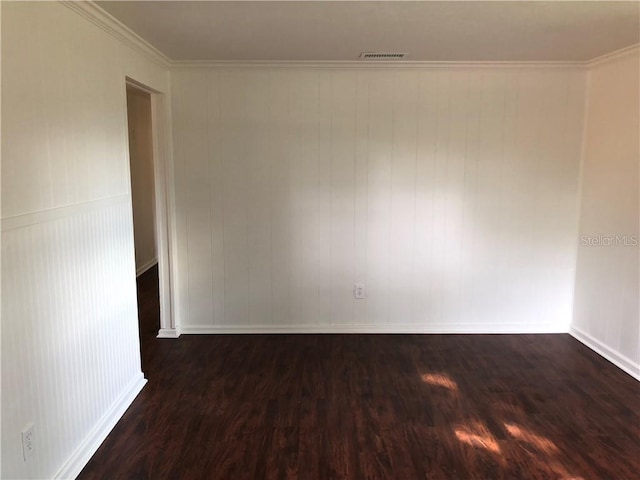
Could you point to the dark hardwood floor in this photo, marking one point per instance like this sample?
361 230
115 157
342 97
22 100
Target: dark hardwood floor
372 407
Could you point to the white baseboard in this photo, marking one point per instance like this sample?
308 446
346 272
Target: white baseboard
437 328
619 360
169 332
74 465
143 268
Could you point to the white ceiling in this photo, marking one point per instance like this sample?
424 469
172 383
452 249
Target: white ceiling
341 30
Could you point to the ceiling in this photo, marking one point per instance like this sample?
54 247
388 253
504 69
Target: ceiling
341 30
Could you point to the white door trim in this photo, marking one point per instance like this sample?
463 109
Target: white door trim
163 211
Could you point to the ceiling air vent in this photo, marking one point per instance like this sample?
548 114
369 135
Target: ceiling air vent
382 56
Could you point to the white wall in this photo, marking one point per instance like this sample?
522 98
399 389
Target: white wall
606 315
70 351
452 193
142 182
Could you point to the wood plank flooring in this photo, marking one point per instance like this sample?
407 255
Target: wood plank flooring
372 407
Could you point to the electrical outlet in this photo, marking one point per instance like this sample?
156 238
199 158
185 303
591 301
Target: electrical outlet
28 441
359 291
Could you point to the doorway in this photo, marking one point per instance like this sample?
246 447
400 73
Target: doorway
143 195
152 197
142 178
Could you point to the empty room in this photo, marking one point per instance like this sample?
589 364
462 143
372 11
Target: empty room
320 240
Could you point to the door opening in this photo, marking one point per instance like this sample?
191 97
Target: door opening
152 198
141 168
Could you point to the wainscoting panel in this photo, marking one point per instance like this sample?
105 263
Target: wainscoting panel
69 332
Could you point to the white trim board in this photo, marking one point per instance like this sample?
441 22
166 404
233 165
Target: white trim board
146 266
432 328
74 465
42 216
619 360
394 65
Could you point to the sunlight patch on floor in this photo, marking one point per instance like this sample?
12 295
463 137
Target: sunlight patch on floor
477 435
440 380
542 445
536 441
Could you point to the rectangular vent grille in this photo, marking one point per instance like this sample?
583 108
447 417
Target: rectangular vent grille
382 56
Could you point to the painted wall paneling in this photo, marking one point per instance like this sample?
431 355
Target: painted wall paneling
70 351
606 311
451 193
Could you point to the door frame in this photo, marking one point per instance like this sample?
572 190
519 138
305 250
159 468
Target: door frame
163 199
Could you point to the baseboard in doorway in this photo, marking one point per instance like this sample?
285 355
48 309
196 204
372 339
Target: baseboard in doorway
74 465
169 332
619 360
143 268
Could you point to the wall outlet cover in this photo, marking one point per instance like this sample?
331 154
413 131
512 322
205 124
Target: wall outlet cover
28 441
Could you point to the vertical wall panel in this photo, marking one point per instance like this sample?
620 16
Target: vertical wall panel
403 193
466 301
258 198
297 198
195 145
380 139
453 190
427 130
283 154
323 267
181 273
305 170
216 197
343 149
233 152
451 193
438 258
361 192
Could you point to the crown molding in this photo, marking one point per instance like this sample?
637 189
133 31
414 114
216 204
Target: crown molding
616 54
115 28
358 64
